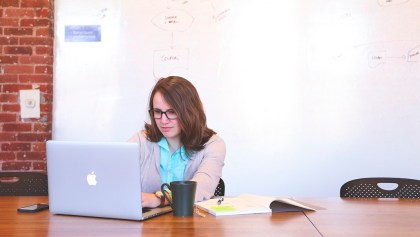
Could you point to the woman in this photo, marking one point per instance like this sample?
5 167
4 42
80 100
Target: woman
177 144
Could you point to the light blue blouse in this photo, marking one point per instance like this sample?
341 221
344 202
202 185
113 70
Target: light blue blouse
172 168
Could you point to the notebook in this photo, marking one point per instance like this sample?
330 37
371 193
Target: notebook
97 179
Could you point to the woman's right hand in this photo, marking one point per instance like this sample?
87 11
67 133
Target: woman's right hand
149 200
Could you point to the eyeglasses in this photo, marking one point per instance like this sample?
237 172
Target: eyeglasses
157 113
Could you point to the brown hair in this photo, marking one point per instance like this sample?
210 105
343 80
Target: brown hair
182 96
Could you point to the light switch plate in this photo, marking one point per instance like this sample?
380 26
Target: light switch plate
29 103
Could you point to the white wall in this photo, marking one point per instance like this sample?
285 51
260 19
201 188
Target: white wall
306 94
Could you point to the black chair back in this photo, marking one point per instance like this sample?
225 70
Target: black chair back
23 184
369 188
220 189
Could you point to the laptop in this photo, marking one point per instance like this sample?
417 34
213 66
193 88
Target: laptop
96 179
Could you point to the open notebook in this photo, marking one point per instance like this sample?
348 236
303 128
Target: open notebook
252 204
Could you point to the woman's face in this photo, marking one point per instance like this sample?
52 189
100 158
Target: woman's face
168 127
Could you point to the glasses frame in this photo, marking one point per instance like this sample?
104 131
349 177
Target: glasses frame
152 111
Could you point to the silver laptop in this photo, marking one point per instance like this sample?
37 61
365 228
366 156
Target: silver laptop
97 179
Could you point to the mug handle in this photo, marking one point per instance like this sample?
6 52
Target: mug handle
164 193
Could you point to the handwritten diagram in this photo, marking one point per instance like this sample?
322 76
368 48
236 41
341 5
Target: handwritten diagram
379 57
414 55
389 46
176 19
173 20
171 61
393 51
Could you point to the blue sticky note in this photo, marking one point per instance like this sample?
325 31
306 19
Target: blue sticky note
82 33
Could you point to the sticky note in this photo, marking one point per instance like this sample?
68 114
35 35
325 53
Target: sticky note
221 208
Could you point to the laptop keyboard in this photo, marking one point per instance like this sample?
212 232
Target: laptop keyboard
146 210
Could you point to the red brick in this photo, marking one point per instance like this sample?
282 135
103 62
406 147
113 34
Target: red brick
43 69
31 155
16 146
36 3
8 117
35 41
19 12
46 32
9 59
9 40
44 78
17 127
44 50
39 146
39 137
42 127
35 22
10 108
20 165
46 116
18 31
7 136
14 88
9 21
18 50
46 108
48 98
36 60
9 78
8 98
7 155
40 166
43 13
18 69
9 3
46 88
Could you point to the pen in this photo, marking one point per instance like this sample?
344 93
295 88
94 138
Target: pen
220 201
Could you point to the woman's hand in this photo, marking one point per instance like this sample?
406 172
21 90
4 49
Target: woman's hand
149 200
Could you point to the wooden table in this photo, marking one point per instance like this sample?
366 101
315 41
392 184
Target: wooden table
44 223
341 217
366 217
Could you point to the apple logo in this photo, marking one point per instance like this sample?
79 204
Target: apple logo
91 179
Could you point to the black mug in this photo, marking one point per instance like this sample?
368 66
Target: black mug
183 197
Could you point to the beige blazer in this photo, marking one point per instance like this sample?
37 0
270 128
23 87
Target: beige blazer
204 166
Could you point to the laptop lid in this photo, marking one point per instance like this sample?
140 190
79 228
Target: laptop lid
98 179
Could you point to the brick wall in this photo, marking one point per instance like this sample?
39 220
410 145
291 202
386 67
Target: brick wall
26 62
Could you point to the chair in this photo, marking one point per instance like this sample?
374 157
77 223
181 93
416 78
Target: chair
23 184
220 189
369 188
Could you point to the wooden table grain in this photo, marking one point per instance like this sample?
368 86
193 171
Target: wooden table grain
340 217
44 223
366 217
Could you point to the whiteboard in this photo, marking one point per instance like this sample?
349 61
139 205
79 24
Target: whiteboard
306 94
